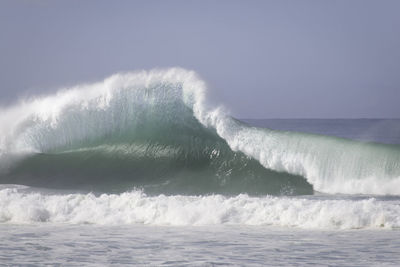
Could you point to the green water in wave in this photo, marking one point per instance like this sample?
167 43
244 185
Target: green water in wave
170 157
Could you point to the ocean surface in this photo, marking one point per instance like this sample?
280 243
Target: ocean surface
140 169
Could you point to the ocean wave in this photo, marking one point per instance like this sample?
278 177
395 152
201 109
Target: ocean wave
155 130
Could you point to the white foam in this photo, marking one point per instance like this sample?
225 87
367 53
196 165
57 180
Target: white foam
19 207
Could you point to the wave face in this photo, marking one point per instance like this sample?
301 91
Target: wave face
154 130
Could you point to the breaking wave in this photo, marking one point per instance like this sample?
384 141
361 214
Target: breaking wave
155 131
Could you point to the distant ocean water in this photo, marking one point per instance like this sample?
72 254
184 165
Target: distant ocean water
385 131
139 169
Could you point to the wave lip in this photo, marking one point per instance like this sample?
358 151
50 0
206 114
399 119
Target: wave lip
156 128
136 207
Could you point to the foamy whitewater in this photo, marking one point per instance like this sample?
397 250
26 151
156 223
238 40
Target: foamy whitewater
19 206
145 150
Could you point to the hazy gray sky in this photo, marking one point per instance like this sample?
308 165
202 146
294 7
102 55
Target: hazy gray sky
261 59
